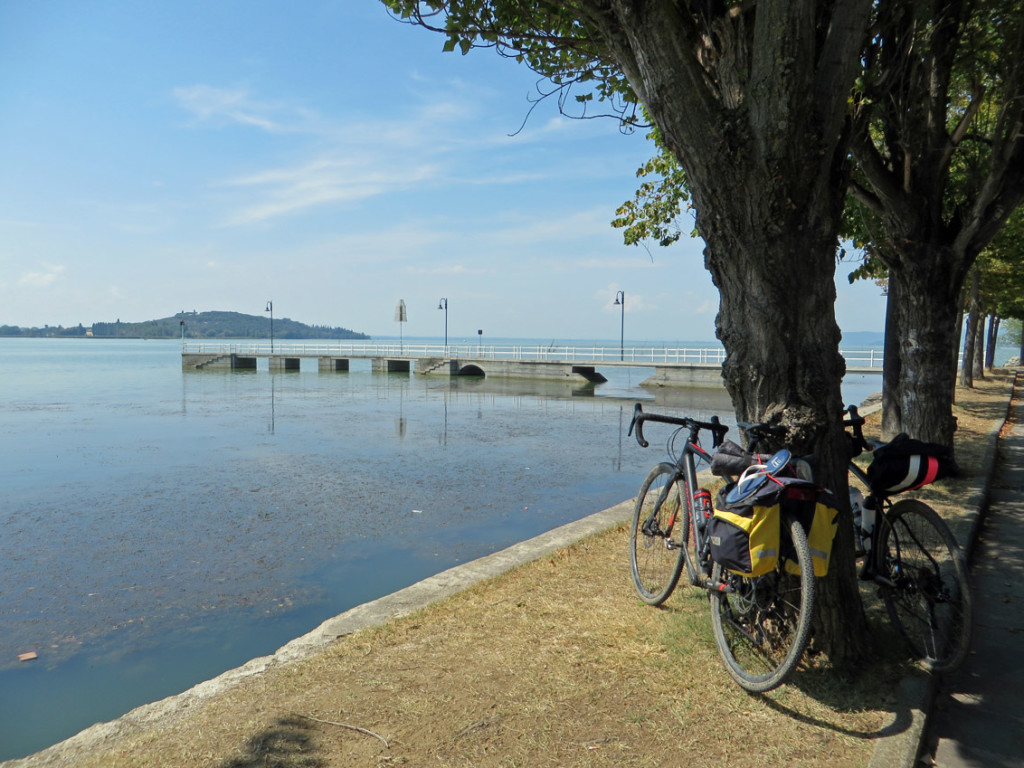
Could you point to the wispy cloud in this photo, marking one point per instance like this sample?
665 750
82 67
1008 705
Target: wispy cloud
210 104
283 191
447 269
50 274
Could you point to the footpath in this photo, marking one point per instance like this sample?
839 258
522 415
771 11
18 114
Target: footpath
977 719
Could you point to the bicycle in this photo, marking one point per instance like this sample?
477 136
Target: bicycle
761 623
913 557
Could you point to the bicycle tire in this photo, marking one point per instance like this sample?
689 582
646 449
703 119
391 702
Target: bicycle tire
656 554
762 625
930 603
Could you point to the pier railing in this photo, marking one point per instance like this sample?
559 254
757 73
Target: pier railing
639 356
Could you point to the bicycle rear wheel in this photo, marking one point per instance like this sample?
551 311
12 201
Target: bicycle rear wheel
762 624
661 527
930 600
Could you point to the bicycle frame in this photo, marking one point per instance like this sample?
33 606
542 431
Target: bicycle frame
687 463
881 505
686 469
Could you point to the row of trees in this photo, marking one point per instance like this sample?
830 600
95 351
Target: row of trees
777 112
46 330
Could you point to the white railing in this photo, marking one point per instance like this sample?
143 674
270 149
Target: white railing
641 356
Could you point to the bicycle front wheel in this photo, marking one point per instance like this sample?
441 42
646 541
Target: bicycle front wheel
657 538
762 624
928 595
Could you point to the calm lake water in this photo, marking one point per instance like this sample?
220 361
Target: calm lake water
161 526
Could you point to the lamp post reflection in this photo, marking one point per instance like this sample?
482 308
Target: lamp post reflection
270 309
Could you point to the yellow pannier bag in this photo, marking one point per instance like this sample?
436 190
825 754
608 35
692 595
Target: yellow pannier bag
745 536
820 517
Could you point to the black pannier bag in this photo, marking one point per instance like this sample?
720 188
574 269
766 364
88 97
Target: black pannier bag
745 535
905 464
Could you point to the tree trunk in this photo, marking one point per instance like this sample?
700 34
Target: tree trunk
785 368
978 366
892 417
967 370
928 341
992 341
757 121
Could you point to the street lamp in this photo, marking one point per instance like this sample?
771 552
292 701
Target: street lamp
270 309
443 304
622 323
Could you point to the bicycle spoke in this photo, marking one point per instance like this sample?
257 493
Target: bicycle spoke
761 624
660 524
927 595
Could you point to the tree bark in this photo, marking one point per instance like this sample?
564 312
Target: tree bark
892 416
992 341
967 370
979 346
927 343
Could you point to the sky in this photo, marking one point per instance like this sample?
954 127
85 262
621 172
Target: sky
191 155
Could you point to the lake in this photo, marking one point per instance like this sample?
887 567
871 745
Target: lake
162 526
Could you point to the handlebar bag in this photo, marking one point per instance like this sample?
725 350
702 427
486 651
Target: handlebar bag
745 536
730 459
905 464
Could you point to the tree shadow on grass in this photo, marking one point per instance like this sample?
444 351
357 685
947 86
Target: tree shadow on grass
289 743
890 682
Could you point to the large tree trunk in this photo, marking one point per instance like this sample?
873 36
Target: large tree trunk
758 121
927 342
785 368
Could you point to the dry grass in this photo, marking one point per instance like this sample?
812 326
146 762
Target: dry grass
553 664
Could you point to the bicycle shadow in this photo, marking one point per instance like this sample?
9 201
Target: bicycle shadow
892 683
904 704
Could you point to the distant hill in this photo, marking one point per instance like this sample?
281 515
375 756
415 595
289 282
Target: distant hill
197 325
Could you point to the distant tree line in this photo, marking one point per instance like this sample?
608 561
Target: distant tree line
46 330
194 325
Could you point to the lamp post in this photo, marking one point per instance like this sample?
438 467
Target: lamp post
622 323
270 309
401 316
443 304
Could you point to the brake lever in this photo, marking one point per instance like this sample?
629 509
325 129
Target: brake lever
638 422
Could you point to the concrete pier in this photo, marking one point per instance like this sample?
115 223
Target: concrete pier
672 368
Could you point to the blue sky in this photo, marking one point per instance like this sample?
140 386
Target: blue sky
180 155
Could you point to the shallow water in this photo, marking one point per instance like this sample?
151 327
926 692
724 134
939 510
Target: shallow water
163 526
